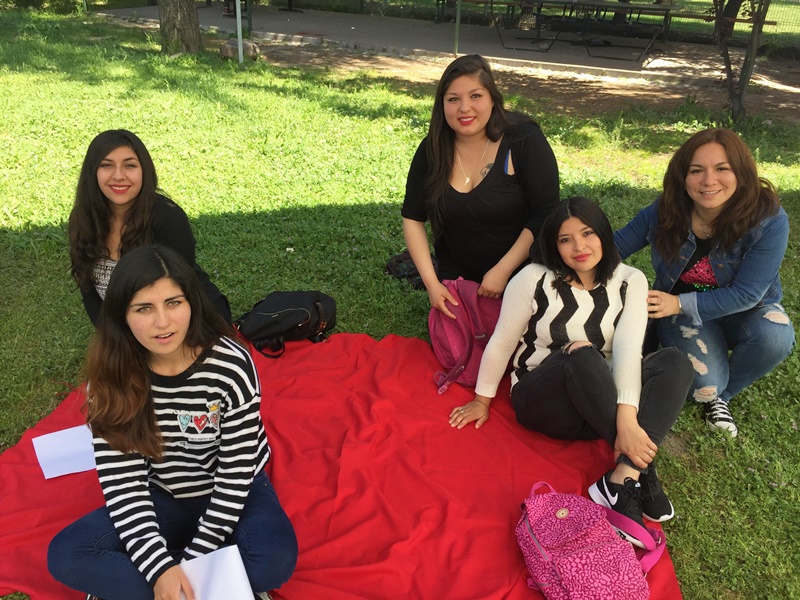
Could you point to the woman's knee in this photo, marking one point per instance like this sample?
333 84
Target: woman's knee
778 337
271 564
670 362
61 557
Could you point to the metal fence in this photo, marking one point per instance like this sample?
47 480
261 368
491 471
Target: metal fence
781 30
781 33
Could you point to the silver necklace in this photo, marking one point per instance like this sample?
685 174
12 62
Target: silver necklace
583 286
480 161
706 231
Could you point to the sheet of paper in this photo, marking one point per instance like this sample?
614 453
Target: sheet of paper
64 452
219 575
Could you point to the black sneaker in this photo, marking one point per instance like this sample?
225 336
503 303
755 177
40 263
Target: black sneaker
655 504
718 416
625 498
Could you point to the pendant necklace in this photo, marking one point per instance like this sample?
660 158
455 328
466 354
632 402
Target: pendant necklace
583 285
706 232
480 160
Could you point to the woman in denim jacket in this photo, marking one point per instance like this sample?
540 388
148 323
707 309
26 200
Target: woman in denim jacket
718 235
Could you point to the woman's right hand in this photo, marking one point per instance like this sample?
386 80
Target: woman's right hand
172 582
477 410
438 294
632 440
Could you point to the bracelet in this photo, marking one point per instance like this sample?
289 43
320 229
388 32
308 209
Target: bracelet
680 307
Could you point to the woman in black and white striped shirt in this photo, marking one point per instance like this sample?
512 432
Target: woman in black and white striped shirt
573 323
179 444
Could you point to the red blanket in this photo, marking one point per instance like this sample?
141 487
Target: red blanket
387 500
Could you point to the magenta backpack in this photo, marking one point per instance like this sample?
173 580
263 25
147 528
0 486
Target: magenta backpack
572 551
459 343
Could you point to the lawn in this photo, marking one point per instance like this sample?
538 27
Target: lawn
293 179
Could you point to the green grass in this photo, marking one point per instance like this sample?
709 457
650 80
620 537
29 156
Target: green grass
293 179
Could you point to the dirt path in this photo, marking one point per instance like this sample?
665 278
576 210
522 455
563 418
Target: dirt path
775 93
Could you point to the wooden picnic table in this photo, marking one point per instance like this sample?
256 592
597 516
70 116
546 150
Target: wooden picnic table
589 18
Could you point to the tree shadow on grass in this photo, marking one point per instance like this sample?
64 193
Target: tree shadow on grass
94 52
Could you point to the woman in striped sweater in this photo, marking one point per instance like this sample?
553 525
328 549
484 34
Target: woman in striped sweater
573 323
173 404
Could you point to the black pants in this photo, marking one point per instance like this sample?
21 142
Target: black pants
573 396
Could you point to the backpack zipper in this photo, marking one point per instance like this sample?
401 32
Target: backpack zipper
539 547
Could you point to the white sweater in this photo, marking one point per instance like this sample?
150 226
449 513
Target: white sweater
536 321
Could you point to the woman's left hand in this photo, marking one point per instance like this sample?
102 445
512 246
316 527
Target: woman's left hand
477 410
661 304
633 442
171 583
493 283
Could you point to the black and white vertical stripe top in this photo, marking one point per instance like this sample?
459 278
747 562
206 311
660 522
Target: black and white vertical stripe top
214 444
536 321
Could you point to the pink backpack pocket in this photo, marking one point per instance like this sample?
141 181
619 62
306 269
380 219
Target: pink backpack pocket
459 343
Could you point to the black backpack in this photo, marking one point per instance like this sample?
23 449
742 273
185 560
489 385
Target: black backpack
287 316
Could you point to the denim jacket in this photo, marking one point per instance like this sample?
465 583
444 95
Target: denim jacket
747 274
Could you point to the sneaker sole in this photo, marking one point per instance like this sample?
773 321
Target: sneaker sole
663 518
731 432
598 498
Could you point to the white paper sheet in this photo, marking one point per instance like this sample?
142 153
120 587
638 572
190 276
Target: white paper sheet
64 452
219 575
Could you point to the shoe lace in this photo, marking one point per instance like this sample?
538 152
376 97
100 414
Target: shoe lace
651 485
631 499
719 410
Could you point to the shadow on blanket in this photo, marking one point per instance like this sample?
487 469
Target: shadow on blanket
387 500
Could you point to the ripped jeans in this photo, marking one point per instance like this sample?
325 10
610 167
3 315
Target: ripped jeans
731 352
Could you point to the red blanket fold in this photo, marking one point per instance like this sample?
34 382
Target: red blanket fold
388 501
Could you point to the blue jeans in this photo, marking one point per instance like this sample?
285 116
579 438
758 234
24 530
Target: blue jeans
89 556
573 396
757 339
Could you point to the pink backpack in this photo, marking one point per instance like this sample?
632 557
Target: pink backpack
572 550
459 343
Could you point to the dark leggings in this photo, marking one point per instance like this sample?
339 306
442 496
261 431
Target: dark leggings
573 396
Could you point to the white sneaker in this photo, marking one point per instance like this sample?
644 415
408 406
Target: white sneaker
263 596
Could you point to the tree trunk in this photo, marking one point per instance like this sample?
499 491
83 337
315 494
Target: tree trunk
737 86
180 26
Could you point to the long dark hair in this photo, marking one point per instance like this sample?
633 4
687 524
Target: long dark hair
754 198
545 247
120 406
90 219
440 143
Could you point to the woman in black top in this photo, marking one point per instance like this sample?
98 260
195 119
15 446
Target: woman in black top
118 207
486 178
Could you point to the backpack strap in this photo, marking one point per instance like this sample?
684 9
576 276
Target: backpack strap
654 540
539 485
277 348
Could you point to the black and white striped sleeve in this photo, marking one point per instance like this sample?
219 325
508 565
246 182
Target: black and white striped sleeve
124 480
243 449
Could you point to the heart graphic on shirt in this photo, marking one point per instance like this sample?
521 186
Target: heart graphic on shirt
200 422
214 418
184 420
